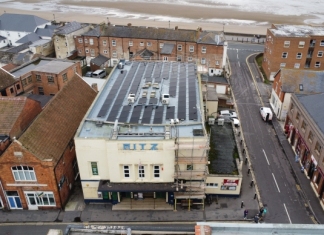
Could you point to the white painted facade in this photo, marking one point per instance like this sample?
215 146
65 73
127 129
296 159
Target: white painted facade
280 108
4 42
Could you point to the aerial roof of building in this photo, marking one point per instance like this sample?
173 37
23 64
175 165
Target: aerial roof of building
20 22
2 38
6 79
40 42
302 81
314 105
148 112
45 32
19 48
69 28
208 37
58 121
214 79
167 48
99 60
284 30
32 37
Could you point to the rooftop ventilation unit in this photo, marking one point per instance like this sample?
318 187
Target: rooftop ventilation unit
165 99
211 121
131 98
156 85
221 121
99 123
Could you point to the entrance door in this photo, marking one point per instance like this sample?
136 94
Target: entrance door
32 200
14 200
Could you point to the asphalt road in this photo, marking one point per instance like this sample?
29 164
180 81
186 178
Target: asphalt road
277 186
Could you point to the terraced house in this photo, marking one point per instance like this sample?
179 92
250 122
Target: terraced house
206 48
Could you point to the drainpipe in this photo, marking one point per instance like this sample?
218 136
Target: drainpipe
5 195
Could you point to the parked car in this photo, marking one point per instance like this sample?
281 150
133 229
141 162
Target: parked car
227 113
88 74
99 73
235 121
266 114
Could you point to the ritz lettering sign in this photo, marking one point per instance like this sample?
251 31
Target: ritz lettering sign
141 146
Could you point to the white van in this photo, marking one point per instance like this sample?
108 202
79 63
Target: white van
99 73
266 114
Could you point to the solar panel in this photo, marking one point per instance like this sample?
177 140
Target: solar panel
142 101
170 112
153 101
124 114
136 114
158 117
146 119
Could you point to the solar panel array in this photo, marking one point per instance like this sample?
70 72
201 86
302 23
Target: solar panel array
182 87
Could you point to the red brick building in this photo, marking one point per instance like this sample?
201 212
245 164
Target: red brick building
9 85
207 49
293 47
38 169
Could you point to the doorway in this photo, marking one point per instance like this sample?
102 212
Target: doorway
32 201
14 200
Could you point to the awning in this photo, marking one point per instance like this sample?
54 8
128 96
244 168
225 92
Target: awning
105 185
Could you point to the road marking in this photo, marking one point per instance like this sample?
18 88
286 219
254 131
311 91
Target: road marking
237 54
275 182
266 157
239 63
287 213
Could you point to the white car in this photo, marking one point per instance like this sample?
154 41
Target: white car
227 113
235 121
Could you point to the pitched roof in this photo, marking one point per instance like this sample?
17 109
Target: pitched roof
69 28
314 105
311 81
20 22
144 33
32 37
2 38
44 32
144 53
50 133
10 109
99 60
210 38
6 79
167 48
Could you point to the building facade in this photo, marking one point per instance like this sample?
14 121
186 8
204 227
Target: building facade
293 47
207 49
305 132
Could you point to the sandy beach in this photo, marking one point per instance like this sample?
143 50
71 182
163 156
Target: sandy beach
253 22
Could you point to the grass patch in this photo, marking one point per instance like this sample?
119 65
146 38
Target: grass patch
212 155
259 59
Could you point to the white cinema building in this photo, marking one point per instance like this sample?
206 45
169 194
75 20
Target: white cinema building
142 143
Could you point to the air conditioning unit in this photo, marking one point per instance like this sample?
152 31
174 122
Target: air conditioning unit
211 121
171 121
131 98
165 98
176 121
221 121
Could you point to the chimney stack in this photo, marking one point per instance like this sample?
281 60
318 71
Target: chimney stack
95 87
129 24
176 28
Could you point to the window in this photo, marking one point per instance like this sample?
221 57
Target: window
114 54
301 87
284 54
286 43
126 172
94 168
191 48
38 78
141 44
80 40
29 79
66 44
11 90
87 50
165 58
189 167
217 62
189 58
179 58
156 171
320 54
64 77
212 185
317 64
179 47
292 108
282 65
80 51
113 43
299 55
92 52
8 33
297 116
85 40
130 43
23 173
40 198
104 42
91 41
322 43
303 127
161 45
149 44
318 148
40 90
301 44
105 51
24 82
141 172
58 48
297 65
50 79
18 86
310 136
203 50
203 61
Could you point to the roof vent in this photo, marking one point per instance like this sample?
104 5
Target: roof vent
99 123
131 98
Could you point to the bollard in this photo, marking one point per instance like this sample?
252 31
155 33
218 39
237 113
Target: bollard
243 151
239 133
249 171
255 196
251 183
246 160
242 204
241 142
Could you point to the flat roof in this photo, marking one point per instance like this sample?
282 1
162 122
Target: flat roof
284 30
149 115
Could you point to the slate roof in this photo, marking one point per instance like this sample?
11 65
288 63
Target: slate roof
213 38
48 136
314 105
144 53
167 48
6 79
144 33
10 109
312 81
99 60
32 37
20 22
2 38
210 94
44 32
69 28
19 48
43 99
215 79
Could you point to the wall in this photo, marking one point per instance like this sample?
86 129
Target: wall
221 189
